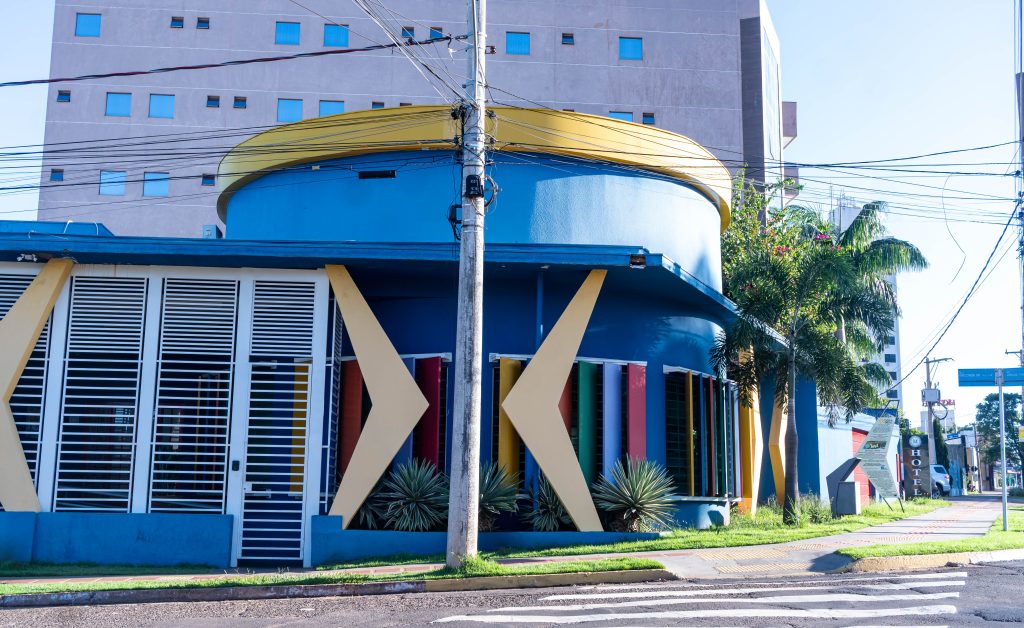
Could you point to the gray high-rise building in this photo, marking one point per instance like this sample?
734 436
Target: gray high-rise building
140 153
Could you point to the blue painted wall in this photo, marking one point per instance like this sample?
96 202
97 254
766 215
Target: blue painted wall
17 531
133 539
542 200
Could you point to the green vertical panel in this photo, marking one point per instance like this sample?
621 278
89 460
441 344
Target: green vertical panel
586 406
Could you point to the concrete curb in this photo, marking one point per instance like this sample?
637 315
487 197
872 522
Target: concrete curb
927 561
222 594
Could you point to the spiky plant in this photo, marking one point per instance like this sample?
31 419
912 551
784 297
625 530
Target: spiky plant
416 495
638 497
371 513
546 512
498 494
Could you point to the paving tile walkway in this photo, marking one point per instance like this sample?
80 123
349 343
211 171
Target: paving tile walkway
966 518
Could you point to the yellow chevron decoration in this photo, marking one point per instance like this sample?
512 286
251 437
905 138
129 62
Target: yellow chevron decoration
777 449
19 332
532 405
397 403
751 444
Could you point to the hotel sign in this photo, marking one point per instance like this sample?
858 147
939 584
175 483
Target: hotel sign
917 475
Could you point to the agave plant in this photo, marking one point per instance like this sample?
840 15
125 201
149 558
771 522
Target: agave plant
546 513
498 494
371 513
638 497
416 497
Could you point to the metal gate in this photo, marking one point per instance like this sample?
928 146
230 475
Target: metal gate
277 429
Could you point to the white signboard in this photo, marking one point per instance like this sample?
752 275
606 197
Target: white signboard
874 457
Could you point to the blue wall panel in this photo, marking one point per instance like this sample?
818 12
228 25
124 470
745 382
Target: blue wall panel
133 539
17 531
807 430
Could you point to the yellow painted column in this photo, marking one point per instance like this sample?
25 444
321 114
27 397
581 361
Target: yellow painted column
397 402
777 448
19 332
532 405
751 453
508 441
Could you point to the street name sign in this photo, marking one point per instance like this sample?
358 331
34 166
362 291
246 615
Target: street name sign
987 377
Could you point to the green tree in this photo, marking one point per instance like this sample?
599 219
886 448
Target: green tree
986 421
787 288
939 438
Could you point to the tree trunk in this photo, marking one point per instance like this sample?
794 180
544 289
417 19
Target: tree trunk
791 501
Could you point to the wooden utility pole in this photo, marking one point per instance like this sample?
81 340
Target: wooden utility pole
464 496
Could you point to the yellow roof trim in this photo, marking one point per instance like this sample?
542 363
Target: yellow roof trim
513 129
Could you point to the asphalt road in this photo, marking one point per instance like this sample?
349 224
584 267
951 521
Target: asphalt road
968 596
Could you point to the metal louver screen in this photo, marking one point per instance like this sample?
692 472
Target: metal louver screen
27 400
96 446
279 402
193 395
329 442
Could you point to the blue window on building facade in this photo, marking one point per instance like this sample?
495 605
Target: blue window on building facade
621 115
376 105
57 174
631 48
112 182
156 184
331 107
118 104
241 102
213 101
64 95
87 24
336 35
203 23
209 179
177 22
648 118
409 32
436 32
289 109
517 43
568 39
287 33
161 106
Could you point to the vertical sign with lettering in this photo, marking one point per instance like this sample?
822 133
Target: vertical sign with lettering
917 474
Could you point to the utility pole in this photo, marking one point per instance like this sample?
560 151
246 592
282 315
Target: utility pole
1000 378
931 404
464 495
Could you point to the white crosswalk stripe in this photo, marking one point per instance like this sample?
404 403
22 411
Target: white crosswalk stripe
842 598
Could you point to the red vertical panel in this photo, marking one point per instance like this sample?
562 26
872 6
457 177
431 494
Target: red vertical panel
565 404
858 474
351 411
426 436
636 411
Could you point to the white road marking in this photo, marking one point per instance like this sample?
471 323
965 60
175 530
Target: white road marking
795 587
919 576
789 613
773 599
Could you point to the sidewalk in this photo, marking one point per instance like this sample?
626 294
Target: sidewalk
967 517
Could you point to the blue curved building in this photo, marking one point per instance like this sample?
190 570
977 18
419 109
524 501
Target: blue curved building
238 398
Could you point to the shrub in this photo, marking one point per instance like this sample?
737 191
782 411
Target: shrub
813 510
371 513
416 497
546 512
639 497
498 493
1015 492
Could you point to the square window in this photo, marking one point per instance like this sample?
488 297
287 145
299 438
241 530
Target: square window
376 105
203 23
331 107
648 118
517 43
56 174
405 104
336 35
287 33
621 115
409 32
436 32
240 102
112 182
209 179
631 48
177 22
161 106
892 394
890 357
568 39
894 376
289 109
64 95
156 184
213 101
119 104
87 24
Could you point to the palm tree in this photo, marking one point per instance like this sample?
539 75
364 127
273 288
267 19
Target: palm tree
791 292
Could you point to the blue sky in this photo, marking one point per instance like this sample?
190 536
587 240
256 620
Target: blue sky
874 79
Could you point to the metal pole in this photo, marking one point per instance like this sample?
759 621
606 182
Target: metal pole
930 428
1002 441
464 495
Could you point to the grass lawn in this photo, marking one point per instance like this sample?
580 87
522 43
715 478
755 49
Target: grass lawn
46 570
994 539
473 569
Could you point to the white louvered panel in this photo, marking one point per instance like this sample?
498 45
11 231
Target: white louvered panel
193 397
27 400
279 402
96 446
329 442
